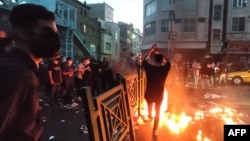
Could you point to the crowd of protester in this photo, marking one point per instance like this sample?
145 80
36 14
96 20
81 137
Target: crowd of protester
61 79
203 74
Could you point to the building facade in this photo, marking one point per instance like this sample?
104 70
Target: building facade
237 36
109 33
176 26
102 11
80 34
87 34
198 28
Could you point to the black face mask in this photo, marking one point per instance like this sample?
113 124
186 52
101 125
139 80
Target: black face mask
45 44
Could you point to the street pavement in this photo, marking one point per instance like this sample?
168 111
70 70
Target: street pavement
63 123
68 123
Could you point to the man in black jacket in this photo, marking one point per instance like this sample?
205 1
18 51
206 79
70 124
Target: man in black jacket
156 72
35 34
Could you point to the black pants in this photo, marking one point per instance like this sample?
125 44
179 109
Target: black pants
157 111
55 93
68 85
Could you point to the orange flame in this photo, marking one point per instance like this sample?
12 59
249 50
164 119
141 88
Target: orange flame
175 123
178 123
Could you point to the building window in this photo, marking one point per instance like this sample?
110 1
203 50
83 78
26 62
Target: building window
239 3
217 12
189 25
81 27
93 31
176 20
164 25
150 8
171 1
150 28
201 20
216 34
238 24
85 13
108 46
80 11
92 48
84 28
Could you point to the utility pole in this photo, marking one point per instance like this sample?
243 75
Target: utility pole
172 34
208 47
224 31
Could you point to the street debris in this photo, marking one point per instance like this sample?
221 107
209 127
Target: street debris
44 119
51 137
213 95
84 129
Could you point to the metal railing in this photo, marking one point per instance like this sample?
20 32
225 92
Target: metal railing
109 115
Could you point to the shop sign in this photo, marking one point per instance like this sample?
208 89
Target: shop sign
239 46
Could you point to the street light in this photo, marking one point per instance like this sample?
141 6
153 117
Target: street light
133 42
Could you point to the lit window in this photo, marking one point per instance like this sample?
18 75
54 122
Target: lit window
84 28
92 48
238 24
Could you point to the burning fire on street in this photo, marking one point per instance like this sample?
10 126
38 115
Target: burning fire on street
204 123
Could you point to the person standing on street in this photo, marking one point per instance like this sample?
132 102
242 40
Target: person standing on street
83 76
156 73
35 34
55 79
196 67
68 70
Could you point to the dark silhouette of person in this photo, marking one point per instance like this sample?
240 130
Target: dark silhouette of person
107 75
68 70
156 74
96 86
35 34
55 79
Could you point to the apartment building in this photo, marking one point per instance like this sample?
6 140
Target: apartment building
102 11
80 34
116 37
87 34
199 28
237 36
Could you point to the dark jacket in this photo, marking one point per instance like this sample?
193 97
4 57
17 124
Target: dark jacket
156 77
19 98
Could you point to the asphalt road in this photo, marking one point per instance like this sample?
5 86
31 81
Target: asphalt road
63 123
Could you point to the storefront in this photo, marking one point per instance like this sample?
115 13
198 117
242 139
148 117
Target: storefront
238 53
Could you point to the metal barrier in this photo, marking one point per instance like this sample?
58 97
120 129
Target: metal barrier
135 85
108 116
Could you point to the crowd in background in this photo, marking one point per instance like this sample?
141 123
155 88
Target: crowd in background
203 74
69 77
